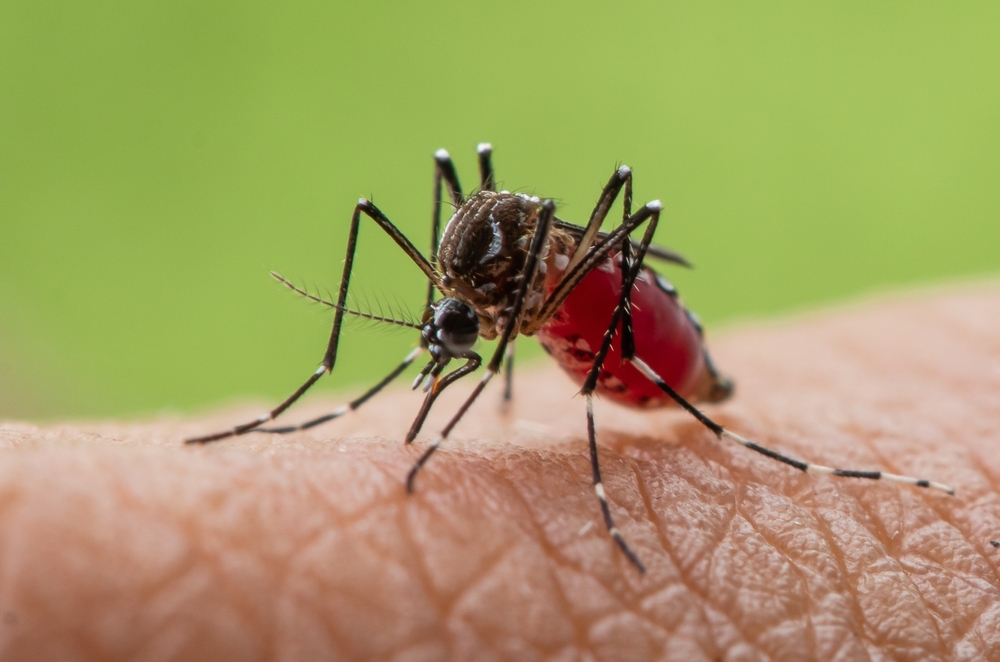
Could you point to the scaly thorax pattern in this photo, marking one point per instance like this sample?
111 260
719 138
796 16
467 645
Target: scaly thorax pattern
482 255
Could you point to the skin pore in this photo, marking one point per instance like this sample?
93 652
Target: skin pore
118 542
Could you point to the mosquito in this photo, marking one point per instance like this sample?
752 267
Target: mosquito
505 267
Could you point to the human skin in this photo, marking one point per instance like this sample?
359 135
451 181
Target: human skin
119 542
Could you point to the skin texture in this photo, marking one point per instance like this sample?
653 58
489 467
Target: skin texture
117 542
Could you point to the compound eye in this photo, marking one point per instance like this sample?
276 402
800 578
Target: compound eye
457 324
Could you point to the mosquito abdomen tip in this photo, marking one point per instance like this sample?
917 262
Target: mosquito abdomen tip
624 171
442 154
655 205
484 148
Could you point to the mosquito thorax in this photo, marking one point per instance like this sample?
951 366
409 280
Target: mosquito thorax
483 251
451 330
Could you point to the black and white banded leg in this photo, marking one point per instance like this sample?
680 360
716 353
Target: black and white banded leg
366 208
622 313
508 386
353 404
538 243
444 171
487 180
436 387
801 465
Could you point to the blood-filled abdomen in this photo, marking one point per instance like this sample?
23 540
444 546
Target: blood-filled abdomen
666 338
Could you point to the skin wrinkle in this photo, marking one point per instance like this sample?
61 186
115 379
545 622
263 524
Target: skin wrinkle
664 543
880 569
731 513
810 633
420 569
561 557
862 614
807 479
944 512
494 564
149 593
859 620
490 566
930 502
563 562
427 502
913 569
213 564
891 546
333 627
403 516
486 570
705 592
924 599
929 600
584 631
520 640
738 519
650 513
579 630
704 595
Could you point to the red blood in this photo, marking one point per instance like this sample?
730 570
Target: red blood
665 338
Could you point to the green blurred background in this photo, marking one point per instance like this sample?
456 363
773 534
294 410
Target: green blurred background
158 158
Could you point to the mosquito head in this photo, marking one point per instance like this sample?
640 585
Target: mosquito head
452 330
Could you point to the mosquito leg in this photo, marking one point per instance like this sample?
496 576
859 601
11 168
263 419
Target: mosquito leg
508 388
622 177
628 338
487 181
444 169
622 313
471 365
330 356
538 243
602 497
353 404
801 465
598 253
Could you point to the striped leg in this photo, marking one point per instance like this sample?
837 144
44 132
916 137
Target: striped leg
487 180
808 467
353 404
444 169
630 269
508 388
436 387
602 497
